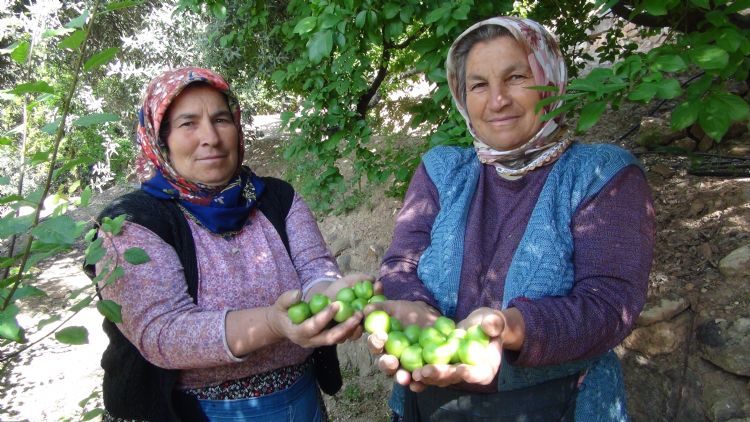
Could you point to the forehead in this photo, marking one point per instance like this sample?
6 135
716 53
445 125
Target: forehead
496 54
198 96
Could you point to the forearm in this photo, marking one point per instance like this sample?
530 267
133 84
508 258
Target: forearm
248 330
514 331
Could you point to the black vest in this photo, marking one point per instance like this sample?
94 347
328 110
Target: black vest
134 388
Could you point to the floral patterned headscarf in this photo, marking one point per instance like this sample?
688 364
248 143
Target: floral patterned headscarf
548 67
223 210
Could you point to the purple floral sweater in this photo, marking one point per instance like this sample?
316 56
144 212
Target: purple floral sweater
248 270
613 235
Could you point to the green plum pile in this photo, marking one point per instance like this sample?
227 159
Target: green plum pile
349 299
439 344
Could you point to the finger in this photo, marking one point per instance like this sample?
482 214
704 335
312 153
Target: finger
417 387
493 324
377 287
289 298
376 342
475 374
403 377
388 364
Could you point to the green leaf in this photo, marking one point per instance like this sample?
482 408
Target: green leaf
95 119
79 21
361 19
82 304
47 321
113 226
91 414
320 45
699 87
95 252
10 224
51 127
111 310
306 25
219 10
655 7
390 10
36 86
122 5
701 3
73 335
590 114
737 6
21 52
28 291
328 21
61 230
74 40
543 88
438 14
714 123
644 92
685 114
115 275
50 33
101 58
709 57
716 18
735 106
39 157
136 256
669 63
85 196
668 89
9 328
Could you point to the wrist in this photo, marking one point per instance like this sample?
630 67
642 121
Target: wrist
514 329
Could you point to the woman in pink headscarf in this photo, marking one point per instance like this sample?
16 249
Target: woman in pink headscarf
544 242
204 332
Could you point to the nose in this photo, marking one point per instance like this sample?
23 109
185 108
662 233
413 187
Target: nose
208 134
499 97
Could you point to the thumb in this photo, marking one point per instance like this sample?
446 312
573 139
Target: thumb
289 298
493 324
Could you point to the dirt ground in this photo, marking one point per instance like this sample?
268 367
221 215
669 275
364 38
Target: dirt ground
700 220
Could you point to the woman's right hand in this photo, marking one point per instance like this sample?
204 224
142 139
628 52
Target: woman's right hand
313 331
407 312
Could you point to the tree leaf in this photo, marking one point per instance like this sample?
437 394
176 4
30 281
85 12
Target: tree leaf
361 19
95 252
113 225
74 40
9 328
668 89
136 256
28 291
735 106
655 7
101 58
590 114
110 309
715 122
709 57
82 304
306 25
78 22
219 10
51 127
95 119
85 196
73 335
320 45
21 52
61 230
701 3
10 224
669 63
685 114
122 4
91 414
36 86
390 10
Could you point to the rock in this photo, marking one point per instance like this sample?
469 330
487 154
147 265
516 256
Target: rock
739 150
662 170
736 130
737 263
664 310
660 338
705 144
339 246
654 132
344 262
687 144
726 344
726 409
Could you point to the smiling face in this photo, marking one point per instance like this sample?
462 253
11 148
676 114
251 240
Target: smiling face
498 101
203 139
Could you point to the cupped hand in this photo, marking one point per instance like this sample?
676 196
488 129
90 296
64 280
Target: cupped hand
349 281
313 332
406 311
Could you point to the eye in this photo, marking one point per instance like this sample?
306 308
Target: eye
477 86
186 124
517 78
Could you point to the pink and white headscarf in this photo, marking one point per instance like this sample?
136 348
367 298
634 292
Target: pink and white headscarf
548 67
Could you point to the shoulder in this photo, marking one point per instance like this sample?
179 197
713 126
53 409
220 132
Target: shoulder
447 163
597 156
132 204
450 154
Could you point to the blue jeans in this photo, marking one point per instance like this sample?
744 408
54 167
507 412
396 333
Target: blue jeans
298 403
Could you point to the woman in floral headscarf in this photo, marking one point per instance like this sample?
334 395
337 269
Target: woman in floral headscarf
544 242
204 332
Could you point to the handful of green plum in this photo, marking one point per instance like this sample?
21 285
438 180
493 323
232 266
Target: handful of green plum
349 299
439 344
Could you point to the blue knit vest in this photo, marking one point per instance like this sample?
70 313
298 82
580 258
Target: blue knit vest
542 264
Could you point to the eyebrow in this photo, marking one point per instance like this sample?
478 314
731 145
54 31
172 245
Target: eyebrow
510 69
220 113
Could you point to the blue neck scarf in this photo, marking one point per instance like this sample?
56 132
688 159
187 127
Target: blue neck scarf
225 212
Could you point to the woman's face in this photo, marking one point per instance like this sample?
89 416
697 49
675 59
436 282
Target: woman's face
203 139
499 104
